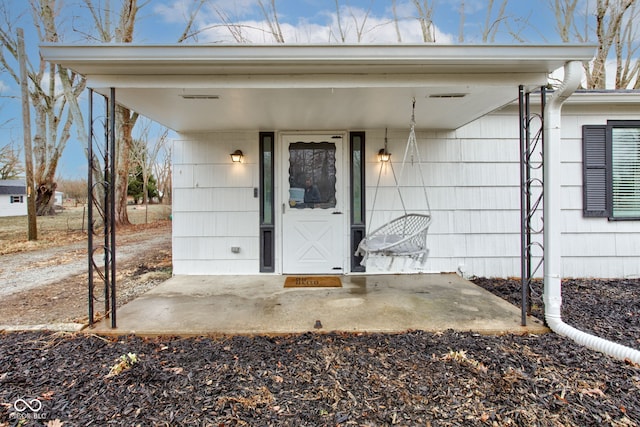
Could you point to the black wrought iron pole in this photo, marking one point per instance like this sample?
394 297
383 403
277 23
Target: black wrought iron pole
105 209
90 207
527 192
523 212
112 207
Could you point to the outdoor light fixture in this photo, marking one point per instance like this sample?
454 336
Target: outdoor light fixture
236 156
384 155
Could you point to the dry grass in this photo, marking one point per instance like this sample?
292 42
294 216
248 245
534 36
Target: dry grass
67 226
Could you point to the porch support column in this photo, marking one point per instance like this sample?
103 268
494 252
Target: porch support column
552 187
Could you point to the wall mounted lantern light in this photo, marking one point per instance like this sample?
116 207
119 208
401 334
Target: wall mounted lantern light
236 156
384 155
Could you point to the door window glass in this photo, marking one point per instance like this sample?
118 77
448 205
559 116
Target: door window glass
312 175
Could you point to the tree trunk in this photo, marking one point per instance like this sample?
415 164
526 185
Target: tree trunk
45 198
126 121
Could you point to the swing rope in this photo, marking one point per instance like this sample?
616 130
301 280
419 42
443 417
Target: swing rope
407 234
411 149
395 180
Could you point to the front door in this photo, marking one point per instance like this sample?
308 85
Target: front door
312 218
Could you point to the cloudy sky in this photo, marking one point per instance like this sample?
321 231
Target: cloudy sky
301 21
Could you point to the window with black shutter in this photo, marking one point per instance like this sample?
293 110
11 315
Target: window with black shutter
611 170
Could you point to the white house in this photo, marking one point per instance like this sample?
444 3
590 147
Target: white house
325 111
13 198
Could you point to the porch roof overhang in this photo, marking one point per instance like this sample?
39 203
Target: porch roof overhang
197 88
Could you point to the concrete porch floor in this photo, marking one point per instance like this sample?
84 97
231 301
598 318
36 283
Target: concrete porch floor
202 305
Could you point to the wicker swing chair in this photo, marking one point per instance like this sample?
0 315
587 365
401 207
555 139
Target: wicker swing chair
404 236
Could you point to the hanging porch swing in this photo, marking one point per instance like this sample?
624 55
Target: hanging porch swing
406 235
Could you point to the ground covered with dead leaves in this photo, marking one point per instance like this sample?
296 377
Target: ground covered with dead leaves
448 379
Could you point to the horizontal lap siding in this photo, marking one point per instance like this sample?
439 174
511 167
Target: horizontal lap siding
472 176
214 208
593 247
12 209
473 190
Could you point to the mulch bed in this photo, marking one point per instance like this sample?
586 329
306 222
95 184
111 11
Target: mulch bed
415 378
606 308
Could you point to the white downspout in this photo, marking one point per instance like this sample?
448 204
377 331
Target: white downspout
552 223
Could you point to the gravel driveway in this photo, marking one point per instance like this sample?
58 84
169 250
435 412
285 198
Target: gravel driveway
29 270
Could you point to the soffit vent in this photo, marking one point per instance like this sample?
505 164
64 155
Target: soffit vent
186 96
448 95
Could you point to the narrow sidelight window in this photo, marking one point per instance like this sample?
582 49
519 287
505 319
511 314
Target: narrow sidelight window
267 214
357 186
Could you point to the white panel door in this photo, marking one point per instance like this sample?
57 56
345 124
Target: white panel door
312 212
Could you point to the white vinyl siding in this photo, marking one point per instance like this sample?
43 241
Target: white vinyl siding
10 205
472 178
214 208
473 190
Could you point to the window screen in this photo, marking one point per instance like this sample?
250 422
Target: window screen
312 175
625 172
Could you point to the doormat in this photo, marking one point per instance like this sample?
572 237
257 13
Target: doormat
313 282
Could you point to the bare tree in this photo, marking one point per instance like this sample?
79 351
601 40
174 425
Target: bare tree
271 17
613 29
462 20
565 11
144 154
190 20
123 32
609 18
236 30
341 32
359 24
162 172
52 118
425 17
396 21
496 21
10 165
492 24
626 49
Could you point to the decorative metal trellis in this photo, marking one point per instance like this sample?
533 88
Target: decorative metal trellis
531 195
101 213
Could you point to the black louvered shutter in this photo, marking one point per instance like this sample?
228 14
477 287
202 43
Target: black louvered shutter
595 174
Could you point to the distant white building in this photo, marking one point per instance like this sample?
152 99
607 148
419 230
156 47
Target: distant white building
59 198
13 198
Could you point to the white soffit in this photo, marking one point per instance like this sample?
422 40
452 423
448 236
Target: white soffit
195 88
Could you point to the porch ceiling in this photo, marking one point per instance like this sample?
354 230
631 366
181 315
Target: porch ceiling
195 88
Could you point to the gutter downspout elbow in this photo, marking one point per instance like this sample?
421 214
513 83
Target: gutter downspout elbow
552 221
